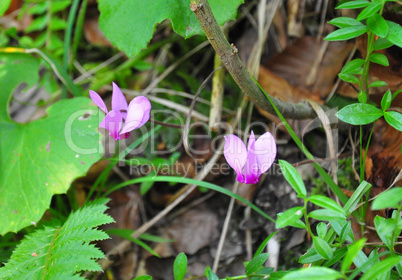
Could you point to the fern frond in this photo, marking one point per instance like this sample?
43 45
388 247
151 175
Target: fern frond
61 251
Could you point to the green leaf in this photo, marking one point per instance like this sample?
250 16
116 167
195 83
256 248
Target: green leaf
347 33
344 22
57 24
321 230
129 25
47 154
370 10
394 33
59 5
349 78
322 248
256 263
379 58
378 84
382 43
310 256
293 177
386 100
346 232
359 114
4 6
394 119
38 24
289 217
325 215
327 203
353 251
378 25
352 66
180 266
38 8
388 199
143 277
61 251
313 273
379 268
263 244
354 4
356 196
385 229
210 275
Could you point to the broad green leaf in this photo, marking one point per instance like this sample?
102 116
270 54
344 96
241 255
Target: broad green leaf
354 4
57 24
370 10
293 177
394 33
289 216
378 25
41 158
388 199
386 100
210 275
352 65
382 43
326 215
129 25
322 248
378 84
385 229
264 243
353 251
321 230
38 24
180 266
394 119
379 58
344 22
349 78
327 203
380 267
256 263
4 6
359 114
347 33
313 273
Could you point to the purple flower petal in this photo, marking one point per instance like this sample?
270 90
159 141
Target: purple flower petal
145 105
134 118
265 151
251 171
235 153
119 102
113 122
98 101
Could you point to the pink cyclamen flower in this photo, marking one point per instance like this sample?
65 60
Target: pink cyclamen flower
134 115
250 163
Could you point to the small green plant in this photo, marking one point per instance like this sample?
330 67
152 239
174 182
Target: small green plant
61 250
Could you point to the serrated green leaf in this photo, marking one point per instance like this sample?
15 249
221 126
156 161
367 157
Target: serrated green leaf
359 114
348 78
394 33
353 251
386 100
382 43
289 217
379 268
47 154
347 33
129 25
325 215
38 24
322 248
293 177
256 263
180 266
352 65
313 273
378 25
379 58
354 4
388 199
326 202
378 84
394 119
370 10
344 22
57 251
